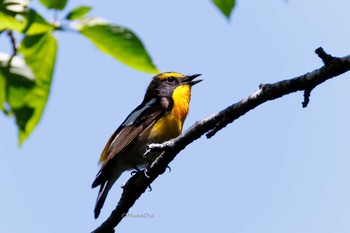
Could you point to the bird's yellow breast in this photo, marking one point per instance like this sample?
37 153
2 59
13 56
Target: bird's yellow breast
170 126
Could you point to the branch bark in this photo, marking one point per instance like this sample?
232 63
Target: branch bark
210 125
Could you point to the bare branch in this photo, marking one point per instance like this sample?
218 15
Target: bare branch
210 125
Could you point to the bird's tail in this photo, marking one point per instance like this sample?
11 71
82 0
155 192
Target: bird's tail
105 185
101 197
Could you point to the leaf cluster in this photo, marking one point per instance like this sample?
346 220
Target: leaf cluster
26 74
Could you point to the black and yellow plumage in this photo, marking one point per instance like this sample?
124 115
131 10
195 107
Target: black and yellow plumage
158 118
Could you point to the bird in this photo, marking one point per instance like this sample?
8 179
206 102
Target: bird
160 117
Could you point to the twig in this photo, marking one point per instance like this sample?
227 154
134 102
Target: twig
138 183
14 46
307 94
326 58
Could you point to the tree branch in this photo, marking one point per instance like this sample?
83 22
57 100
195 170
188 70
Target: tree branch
210 125
13 45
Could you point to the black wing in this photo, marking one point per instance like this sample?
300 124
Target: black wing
139 121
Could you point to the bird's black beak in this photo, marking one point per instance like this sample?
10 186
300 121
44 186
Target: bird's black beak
189 79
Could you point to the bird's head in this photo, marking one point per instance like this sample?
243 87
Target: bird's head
164 84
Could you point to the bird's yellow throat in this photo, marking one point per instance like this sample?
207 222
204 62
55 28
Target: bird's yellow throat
170 126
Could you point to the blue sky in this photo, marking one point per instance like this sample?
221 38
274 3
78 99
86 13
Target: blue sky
279 168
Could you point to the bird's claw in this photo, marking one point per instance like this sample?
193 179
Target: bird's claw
145 173
146 152
135 171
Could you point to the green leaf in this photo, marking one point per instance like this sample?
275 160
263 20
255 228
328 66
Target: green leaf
54 4
78 12
119 42
16 80
23 115
39 52
9 22
225 6
2 91
29 22
36 24
17 67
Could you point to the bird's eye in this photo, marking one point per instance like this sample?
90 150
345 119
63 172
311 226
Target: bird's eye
170 79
